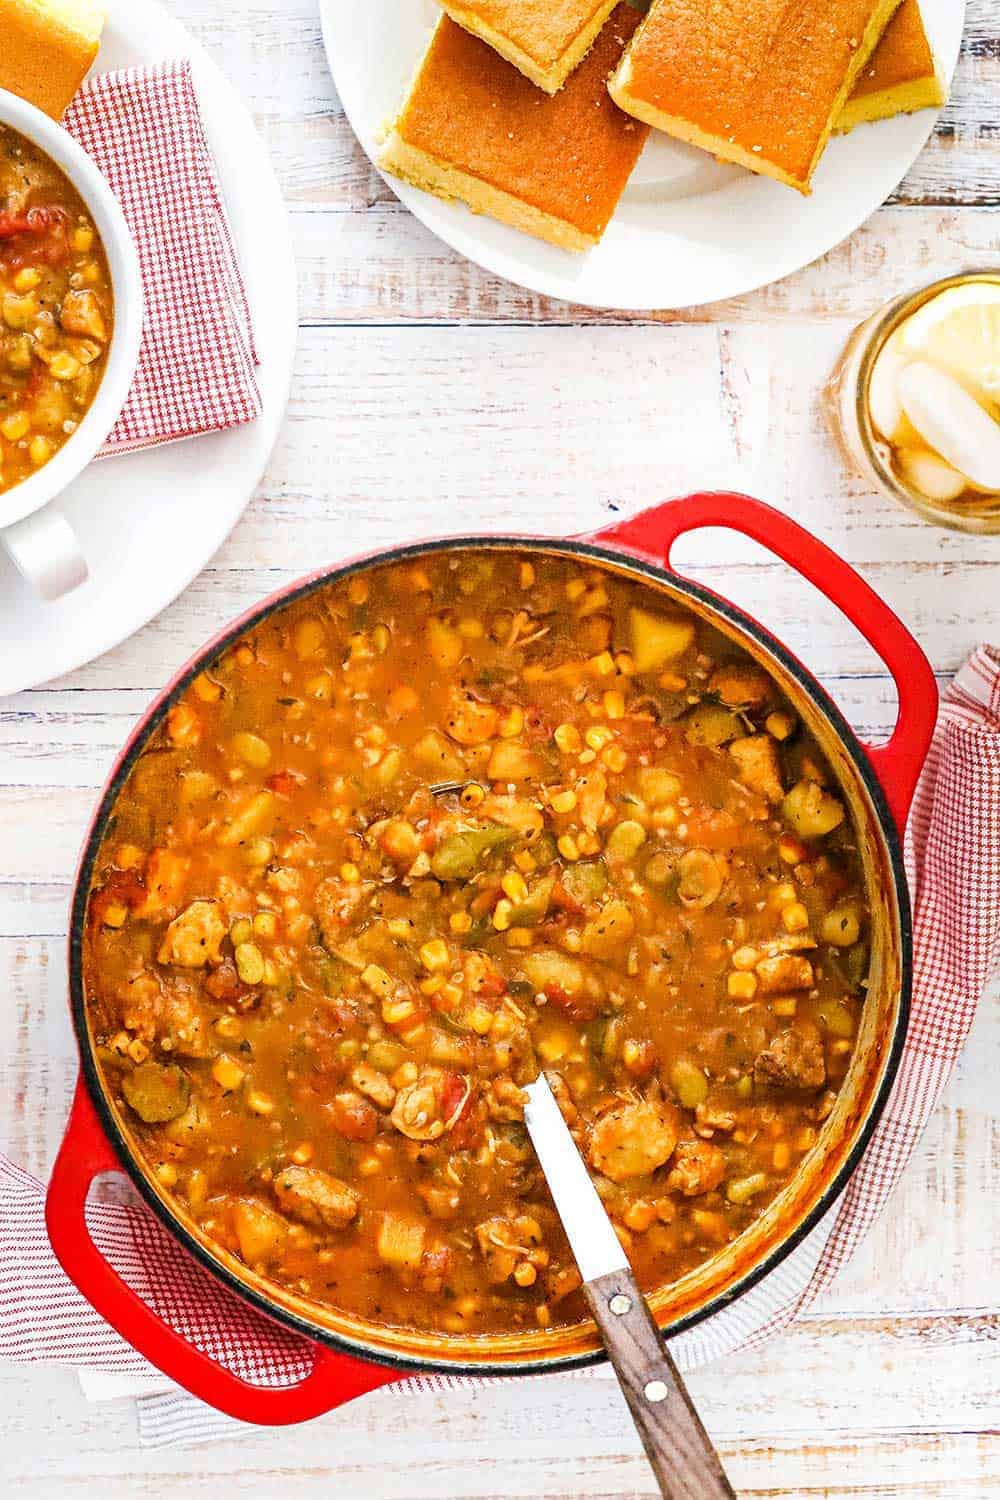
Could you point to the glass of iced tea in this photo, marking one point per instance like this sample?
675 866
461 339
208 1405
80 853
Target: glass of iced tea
915 400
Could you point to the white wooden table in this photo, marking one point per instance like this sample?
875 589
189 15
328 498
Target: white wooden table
429 396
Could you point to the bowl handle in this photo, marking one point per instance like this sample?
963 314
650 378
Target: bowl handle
652 533
85 1152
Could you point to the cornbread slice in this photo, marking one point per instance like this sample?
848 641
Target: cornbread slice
544 39
46 46
901 75
758 82
475 129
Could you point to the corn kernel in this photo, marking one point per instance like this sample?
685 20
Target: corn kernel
138 1051
791 851
514 885
396 1012
806 1139
781 1156
543 1316
746 958
431 985
27 279
40 450
460 921
115 914
378 981
527 575
64 366
452 993
741 986
206 688
15 426
435 956
370 1165
380 639
563 802
794 917
614 704
480 1019
525 861
228 1027
785 1005
519 937
603 664
241 931
227 1073
640 1215
259 1103
251 749
588 843
779 725
501 915
349 872
128 856
783 893
525 1273
598 735
614 758
357 590
567 738
568 847
166 1173
512 724
624 663
575 588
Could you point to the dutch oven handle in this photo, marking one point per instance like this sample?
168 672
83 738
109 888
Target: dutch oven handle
85 1152
652 533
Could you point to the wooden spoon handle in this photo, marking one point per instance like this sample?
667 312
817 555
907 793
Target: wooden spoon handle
679 1449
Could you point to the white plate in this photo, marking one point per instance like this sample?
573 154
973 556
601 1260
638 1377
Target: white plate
149 522
687 230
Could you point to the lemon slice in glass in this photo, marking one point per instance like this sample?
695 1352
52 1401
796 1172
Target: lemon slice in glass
959 331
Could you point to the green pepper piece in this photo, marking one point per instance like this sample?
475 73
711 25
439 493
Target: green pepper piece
530 911
457 857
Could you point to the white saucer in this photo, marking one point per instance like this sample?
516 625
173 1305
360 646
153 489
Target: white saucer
687 230
149 522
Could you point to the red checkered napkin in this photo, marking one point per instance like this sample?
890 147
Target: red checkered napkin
196 367
953 856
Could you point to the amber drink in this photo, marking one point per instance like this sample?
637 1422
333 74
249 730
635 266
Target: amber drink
915 400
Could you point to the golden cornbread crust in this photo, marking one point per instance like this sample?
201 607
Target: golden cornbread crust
756 82
46 47
476 130
901 75
544 39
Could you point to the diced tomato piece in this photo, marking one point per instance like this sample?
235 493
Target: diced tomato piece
577 1007
284 783
564 899
491 987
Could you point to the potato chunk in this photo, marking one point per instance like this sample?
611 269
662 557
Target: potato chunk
260 1232
81 313
811 811
658 639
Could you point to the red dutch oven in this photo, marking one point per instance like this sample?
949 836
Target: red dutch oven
351 1357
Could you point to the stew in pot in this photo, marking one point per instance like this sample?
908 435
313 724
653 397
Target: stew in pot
56 308
423 833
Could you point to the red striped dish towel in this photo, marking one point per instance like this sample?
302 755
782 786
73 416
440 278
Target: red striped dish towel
953 859
143 129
